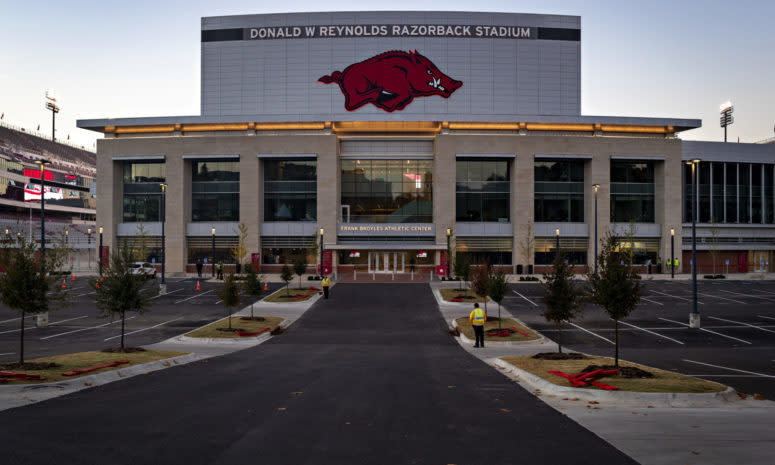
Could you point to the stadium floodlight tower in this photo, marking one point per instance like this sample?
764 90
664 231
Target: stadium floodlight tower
51 104
726 109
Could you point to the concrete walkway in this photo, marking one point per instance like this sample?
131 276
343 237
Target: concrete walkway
736 432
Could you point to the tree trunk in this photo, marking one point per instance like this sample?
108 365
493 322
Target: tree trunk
616 339
251 310
228 316
123 319
21 342
559 336
499 315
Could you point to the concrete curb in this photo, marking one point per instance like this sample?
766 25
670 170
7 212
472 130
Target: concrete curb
540 341
440 300
642 399
247 340
309 301
25 394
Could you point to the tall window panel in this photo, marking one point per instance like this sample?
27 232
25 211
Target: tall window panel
744 193
769 208
290 190
388 191
632 191
687 197
717 214
756 193
559 191
703 192
731 196
142 191
482 190
215 190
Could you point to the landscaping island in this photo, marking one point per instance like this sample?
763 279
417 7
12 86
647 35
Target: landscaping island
516 330
241 326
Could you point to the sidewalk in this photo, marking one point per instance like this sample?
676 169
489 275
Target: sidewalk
736 432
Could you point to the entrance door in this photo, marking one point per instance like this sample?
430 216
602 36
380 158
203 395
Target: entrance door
742 262
760 261
386 262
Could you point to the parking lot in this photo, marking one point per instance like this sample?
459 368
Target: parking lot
735 345
78 327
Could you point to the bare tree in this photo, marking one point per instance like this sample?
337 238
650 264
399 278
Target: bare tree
527 243
713 243
240 250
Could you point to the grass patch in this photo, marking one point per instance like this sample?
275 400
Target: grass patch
293 294
76 361
212 330
464 326
663 381
468 295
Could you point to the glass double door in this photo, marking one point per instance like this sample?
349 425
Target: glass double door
386 262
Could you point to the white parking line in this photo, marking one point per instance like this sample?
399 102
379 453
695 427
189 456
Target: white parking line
652 301
167 293
88 293
82 329
749 295
8 353
652 332
730 369
766 317
195 296
590 332
674 296
719 297
706 330
741 323
50 324
12 319
535 304
144 329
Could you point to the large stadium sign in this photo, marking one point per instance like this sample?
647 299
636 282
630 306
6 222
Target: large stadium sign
391 30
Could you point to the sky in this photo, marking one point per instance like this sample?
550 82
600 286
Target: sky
677 59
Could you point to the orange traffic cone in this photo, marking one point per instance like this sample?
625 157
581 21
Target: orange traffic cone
197 286
63 284
266 287
98 285
73 276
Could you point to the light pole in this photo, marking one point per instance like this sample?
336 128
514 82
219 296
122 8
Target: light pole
67 236
213 255
100 257
163 220
88 242
43 162
672 253
726 118
596 187
694 316
449 235
322 231
51 104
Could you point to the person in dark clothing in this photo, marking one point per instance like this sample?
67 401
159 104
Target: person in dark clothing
199 266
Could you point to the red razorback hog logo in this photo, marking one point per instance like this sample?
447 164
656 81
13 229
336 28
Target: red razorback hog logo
391 80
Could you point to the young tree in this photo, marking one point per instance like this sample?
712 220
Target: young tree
299 267
562 297
141 242
527 244
462 268
616 286
313 251
713 242
252 285
121 290
240 250
497 290
26 286
286 275
230 296
480 280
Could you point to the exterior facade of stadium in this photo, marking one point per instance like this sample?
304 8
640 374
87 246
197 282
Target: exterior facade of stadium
401 135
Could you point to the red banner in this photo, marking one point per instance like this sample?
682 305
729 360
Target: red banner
105 255
441 269
255 259
328 258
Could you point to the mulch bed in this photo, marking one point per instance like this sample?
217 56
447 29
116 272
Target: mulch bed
253 318
126 350
563 356
28 366
233 329
624 372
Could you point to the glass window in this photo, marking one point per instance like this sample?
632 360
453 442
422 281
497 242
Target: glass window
744 192
559 191
388 191
632 191
142 195
703 183
290 189
215 190
769 211
756 193
731 193
483 189
717 215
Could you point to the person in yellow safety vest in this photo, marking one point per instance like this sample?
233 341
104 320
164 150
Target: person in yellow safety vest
326 283
478 317
675 264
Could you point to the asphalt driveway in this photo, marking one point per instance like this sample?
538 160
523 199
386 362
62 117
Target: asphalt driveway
369 376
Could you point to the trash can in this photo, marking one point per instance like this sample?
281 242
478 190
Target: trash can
530 269
519 269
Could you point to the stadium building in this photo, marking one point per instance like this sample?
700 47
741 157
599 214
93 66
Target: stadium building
69 190
402 135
